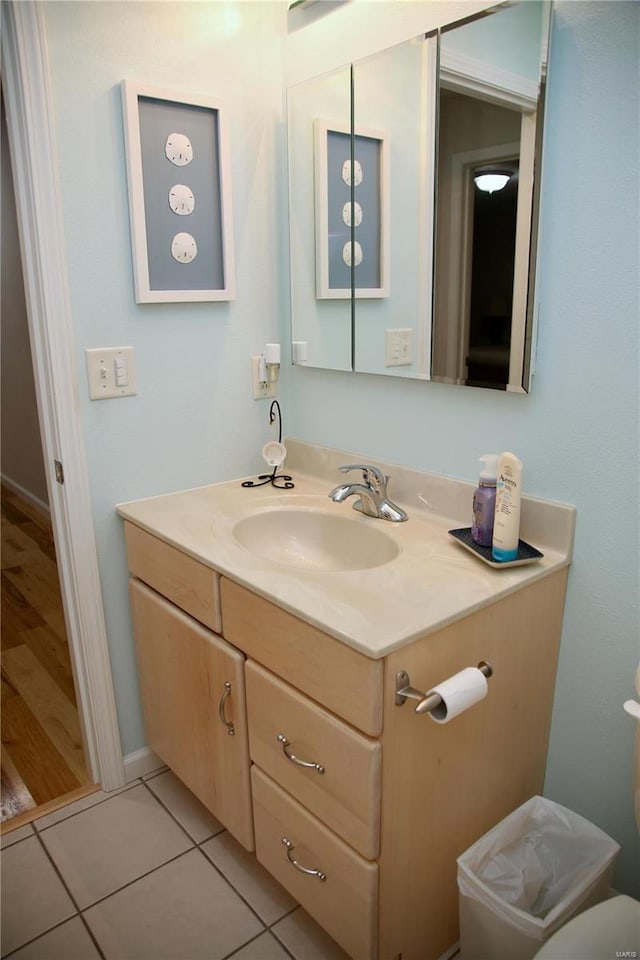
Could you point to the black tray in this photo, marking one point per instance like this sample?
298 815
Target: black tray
526 553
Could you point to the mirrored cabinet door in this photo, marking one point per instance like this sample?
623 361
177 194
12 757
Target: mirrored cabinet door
406 260
394 109
319 144
489 107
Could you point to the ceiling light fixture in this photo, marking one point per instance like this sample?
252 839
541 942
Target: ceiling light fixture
489 181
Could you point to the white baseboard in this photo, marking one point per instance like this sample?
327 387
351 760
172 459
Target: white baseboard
25 494
139 763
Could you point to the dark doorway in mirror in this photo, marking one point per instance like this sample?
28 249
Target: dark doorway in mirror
475 241
492 266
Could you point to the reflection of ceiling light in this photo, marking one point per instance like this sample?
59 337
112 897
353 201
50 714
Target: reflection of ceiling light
490 182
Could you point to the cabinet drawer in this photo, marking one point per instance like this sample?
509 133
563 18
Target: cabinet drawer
329 671
346 902
346 794
191 585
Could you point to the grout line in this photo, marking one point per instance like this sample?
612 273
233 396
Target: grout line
198 844
81 911
27 943
61 922
235 889
130 883
14 842
154 774
175 819
287 914
195 845
236 950
280 942
267 926
55 867
288 950
93 938
91 806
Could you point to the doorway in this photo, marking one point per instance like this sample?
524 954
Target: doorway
42 756
34 163
42 753
493 253
481 308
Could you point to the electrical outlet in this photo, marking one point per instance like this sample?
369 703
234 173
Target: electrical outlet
261 391
398 347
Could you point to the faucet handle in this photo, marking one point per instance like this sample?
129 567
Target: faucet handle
371 475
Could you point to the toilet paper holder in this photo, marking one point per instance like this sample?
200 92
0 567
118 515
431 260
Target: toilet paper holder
404 690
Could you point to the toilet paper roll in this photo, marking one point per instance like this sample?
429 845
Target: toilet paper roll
458 693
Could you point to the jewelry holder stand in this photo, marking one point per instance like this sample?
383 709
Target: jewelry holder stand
274 454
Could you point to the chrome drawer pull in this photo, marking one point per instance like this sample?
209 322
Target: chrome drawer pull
298 762
294 863
223 700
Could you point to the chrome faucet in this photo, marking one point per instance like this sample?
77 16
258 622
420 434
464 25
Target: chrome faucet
372 494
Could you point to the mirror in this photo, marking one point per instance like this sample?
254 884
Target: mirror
321 326
489 108
390 98
384 278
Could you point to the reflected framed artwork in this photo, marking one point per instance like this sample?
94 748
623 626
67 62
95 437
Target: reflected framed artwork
179 183
351 211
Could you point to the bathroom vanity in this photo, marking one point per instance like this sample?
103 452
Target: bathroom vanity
269 686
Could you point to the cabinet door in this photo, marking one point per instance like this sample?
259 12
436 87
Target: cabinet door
193 696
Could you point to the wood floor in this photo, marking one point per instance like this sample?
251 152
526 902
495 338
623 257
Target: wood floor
42 755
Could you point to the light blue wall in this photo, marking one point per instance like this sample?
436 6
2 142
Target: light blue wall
577 432
510 42
194 422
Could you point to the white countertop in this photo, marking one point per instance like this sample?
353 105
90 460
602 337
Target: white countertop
431 582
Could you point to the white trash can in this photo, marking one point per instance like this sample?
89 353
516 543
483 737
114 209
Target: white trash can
519 883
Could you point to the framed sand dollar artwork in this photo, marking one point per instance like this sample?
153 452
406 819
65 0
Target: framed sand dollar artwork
179 185
351 176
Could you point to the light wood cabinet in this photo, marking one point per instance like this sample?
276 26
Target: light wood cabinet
346 682
192 688
444 786
339 887
181 579
333 770
401 797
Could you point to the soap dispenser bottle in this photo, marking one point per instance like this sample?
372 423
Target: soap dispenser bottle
484 501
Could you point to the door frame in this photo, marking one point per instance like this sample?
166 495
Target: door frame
34 160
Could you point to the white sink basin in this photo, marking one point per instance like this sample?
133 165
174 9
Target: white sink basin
315 539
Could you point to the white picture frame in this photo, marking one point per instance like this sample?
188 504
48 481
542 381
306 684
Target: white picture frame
166 268
370 234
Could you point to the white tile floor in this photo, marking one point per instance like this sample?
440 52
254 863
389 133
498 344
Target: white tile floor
145 873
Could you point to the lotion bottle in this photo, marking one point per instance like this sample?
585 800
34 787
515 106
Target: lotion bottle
484 501
506 527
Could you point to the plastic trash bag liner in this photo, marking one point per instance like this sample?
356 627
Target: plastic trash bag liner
537 863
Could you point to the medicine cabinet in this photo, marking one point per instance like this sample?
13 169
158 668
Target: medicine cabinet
402 262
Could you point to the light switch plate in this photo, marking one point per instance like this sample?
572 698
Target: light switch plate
102 369
398 347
